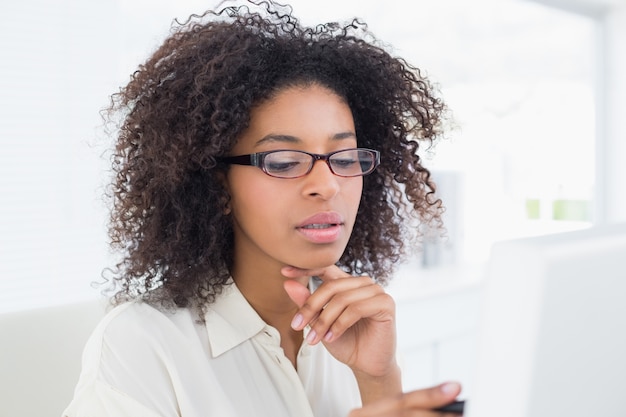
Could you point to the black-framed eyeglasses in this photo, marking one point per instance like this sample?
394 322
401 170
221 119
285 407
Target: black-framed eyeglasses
286 163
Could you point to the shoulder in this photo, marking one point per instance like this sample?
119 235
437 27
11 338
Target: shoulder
135 328
132 318
131 356
142 317
137 339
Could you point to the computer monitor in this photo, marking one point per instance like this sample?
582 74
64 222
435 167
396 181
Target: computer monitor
552 337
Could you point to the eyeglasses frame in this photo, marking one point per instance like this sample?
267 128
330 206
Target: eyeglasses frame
257 159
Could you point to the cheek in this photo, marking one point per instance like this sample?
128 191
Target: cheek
252 198
351 197
355 192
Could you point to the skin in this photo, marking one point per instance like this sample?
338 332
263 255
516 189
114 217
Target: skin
314 120
274 259
412 404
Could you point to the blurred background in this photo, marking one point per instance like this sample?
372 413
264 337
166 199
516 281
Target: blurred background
536 144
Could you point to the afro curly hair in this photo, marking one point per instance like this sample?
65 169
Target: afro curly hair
189 102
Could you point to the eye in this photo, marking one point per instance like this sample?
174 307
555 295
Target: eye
344 162
281 166
282 162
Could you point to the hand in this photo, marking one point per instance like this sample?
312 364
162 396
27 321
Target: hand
352 316
412 404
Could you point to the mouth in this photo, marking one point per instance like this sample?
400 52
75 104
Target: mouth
325 227
319 226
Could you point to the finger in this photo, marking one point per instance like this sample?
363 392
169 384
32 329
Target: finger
299 294
349 307
296 291
320 299
325 274
433 397
412 404
295 272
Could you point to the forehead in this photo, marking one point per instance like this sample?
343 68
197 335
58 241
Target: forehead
304 114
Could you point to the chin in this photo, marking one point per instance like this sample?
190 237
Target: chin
316 262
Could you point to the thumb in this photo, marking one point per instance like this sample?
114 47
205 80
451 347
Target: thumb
296 291
433 397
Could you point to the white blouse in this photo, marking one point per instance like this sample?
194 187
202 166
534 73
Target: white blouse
141 361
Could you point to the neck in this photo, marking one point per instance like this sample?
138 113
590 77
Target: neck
264 291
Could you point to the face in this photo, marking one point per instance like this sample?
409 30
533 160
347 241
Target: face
304 222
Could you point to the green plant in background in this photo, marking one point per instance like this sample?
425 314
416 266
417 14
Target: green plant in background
572 210
569 210
533 209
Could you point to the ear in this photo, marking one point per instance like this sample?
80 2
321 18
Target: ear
225 204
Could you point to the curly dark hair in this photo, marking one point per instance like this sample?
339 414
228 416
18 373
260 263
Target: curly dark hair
190 101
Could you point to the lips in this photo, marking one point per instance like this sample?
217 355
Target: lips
327 218
321 227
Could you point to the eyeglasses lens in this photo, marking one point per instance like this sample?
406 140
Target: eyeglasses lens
292 164
351 163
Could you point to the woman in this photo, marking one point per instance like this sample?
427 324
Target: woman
264 172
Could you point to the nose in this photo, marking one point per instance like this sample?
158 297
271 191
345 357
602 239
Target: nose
321 182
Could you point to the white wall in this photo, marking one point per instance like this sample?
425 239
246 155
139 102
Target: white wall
612 155
61 61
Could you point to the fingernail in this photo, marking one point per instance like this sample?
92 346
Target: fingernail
297 321
311 336
450 387
328 336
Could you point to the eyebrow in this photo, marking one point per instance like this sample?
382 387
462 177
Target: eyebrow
295 139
